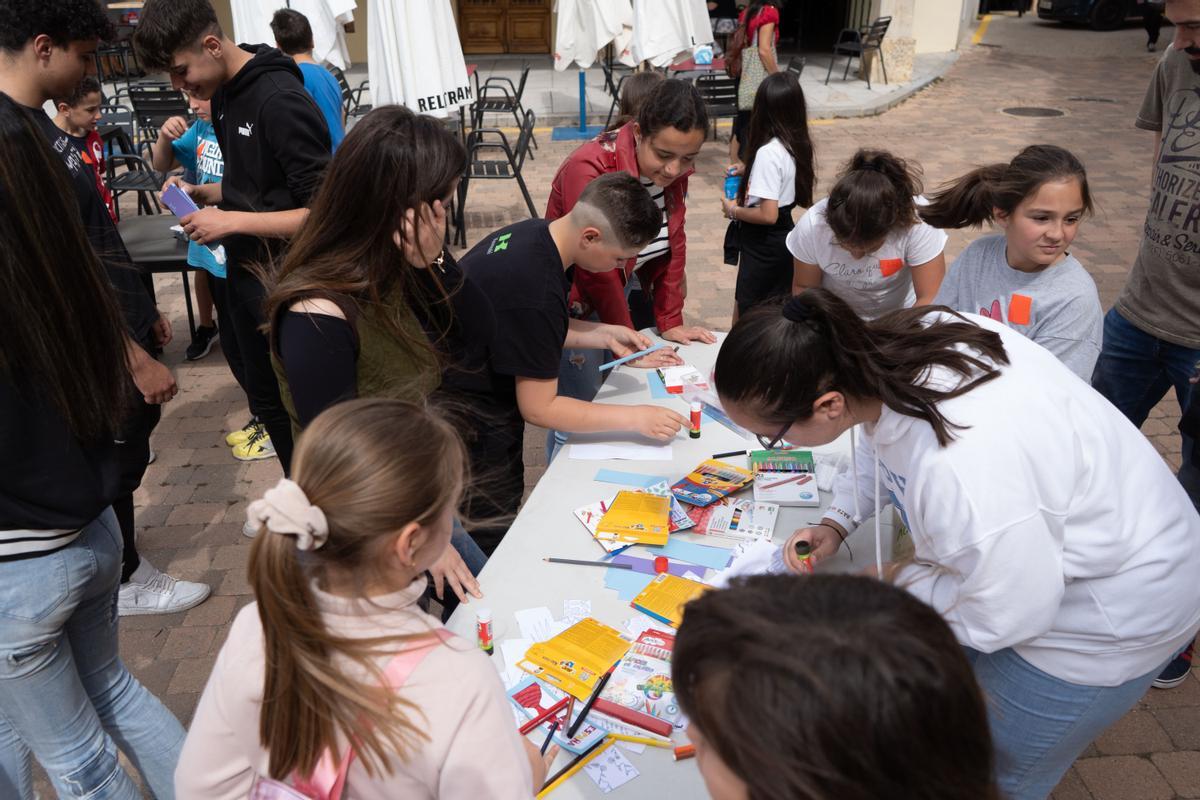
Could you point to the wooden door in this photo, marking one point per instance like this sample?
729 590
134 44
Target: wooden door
504 26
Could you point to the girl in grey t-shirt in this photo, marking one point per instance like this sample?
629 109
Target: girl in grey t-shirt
1024 277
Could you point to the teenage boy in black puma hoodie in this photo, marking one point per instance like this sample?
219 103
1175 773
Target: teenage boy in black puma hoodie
276 147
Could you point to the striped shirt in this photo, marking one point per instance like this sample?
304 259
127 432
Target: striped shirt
660 245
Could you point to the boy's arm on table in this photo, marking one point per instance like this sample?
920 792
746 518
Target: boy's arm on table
540 404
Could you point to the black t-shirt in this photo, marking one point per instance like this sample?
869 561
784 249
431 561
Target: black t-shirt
137 307
726 9
520 271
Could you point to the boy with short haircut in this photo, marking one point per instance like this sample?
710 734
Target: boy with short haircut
46 49
294 36
526 271
276 146
78 115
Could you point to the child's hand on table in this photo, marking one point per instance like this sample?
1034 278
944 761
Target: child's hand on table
450 570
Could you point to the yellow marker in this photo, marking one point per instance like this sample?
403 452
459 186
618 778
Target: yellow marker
574 768
620 737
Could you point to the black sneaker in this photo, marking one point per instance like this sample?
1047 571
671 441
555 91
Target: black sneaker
202 342
1177 671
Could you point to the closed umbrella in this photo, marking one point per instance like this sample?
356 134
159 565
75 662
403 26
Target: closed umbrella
252 24
414 57
584 27
664 29
252 20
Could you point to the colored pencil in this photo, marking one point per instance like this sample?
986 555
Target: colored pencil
549 736
580 761
730 454
632 357
620 737
582 563
600 684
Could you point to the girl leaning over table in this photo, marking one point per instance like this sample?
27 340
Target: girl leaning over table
335 649
1047 530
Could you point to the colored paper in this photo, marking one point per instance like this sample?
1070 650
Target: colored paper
629 451
1019 307
627 582
637 479
646 565
711 557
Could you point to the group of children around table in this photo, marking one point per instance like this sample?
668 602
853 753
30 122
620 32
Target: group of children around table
1044 576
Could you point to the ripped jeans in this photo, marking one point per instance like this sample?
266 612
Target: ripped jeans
65 695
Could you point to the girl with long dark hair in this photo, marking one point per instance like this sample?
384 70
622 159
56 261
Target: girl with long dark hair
778 176
1047 530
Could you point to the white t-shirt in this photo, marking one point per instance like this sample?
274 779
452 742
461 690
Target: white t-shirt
773 176
661 243
876 283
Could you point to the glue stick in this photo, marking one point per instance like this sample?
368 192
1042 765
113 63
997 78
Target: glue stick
483 630
697 408
804 556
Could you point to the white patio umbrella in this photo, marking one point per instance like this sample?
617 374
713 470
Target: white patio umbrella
664 29
252 21
252 24
586 26
414 57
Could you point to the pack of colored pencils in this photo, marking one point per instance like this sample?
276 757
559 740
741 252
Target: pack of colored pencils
781 461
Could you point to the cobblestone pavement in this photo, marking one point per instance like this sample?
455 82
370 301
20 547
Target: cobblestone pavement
192 504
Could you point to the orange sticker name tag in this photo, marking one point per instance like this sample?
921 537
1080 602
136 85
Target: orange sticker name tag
890 266
1019 307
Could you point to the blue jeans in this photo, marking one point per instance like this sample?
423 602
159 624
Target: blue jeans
65 695
1134 372
578 377
470 553
1040 724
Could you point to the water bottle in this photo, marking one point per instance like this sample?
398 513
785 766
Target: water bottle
732 182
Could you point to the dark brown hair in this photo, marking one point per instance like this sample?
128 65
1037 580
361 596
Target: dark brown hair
292 31
833 687
64 21
624 205
62 337
783 355
873 197
85 87
672 104
780 113
973 198
393 160
634 91
372 466
168 26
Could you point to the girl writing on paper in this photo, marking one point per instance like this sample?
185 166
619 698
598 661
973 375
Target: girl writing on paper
335 649
865 241
1024 276
367 302
1047 530
778 176
829 704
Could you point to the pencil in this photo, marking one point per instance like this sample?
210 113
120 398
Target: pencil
549 736
581 563
730 454
580 761
685 751
620 737
617 552
600 684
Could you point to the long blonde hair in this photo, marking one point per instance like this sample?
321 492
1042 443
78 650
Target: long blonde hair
372 466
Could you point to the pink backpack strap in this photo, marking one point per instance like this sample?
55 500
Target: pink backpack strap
328 781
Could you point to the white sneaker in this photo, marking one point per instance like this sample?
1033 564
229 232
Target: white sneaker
249 529
149 591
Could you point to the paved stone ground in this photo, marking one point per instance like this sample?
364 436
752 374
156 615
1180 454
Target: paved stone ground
192 504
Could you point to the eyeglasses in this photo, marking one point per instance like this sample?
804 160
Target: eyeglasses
773 443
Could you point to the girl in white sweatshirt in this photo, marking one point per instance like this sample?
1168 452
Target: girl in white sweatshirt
1047 530
335 649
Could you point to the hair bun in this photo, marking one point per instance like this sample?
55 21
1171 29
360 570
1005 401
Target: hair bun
797 310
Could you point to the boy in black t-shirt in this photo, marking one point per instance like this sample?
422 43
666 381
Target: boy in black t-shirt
276 147
524 270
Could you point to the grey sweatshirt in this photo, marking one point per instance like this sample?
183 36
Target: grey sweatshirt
1058 307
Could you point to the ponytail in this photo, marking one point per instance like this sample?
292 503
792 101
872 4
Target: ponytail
782 356
975 197
872 198
372 466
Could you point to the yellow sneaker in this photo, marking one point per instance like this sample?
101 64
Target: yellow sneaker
256 448
243 434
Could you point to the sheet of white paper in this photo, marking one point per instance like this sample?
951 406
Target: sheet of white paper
575 610
629 451
535 623
633 747
691 576
512 651
759 557
610 770
636 626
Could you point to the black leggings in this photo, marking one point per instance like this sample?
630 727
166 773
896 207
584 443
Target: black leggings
133 455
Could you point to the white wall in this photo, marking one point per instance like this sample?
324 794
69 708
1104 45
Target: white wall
936 24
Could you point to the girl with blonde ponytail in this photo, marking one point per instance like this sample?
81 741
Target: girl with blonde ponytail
313 665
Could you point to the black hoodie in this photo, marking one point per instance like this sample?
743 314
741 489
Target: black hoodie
274 139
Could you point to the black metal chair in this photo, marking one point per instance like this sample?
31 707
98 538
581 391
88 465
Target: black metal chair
138 177
720 94
616 99
352 98
152 106
499 95
853 43
507 167
796 65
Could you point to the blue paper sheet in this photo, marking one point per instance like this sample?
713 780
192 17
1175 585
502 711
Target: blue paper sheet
637 479
712 557
629 584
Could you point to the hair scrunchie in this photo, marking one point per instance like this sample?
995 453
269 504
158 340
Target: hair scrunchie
285 509
796 310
